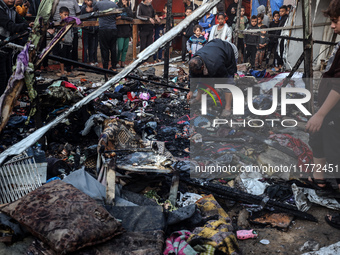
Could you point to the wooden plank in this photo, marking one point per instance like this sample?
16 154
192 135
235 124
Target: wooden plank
95 23
238 22
68 27
9 101
6 239
167 46
111 182
308 50
134 41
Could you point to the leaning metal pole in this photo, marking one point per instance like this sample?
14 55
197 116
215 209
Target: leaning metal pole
144 55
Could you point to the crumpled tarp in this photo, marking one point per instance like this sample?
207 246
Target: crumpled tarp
329 250
139 218
83 181
330 203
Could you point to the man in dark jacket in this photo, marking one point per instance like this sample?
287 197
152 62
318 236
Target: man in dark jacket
215 60
10 23
146 12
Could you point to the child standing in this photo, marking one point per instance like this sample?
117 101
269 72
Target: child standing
279 58
159 31
272 40
261 48
90 36
251 42
197 41
187 33
260 19
124 32
244 23
65 43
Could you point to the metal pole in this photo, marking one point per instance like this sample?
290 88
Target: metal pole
167 46
308 49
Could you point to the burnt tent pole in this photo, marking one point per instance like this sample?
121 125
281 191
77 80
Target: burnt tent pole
308 50
238 15
167 45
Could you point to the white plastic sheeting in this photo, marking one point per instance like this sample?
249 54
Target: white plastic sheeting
323 33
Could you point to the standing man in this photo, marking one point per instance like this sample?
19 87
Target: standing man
74 9
107 34
10 23
146 12
324 126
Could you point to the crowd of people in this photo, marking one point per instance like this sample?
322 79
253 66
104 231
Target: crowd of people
113 39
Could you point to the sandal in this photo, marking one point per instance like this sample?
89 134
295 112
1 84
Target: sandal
327 191
334 221
225 113
246 234
316 182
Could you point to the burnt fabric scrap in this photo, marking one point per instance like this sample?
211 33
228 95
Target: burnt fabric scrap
216 232
177 244
119 134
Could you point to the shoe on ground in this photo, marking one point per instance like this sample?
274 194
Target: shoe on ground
225 113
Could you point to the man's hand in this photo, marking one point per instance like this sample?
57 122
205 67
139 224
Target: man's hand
31 24
152 21
314 124
184 33
158 20
27 4
190 51
51 31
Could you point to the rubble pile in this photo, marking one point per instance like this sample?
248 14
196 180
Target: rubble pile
125 166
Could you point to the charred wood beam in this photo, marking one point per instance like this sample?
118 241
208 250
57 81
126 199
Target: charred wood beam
237 195
4 42
238 21
106 71
167 46
295 67
290 38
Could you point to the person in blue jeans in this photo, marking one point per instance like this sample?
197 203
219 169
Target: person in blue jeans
159 31
124 32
